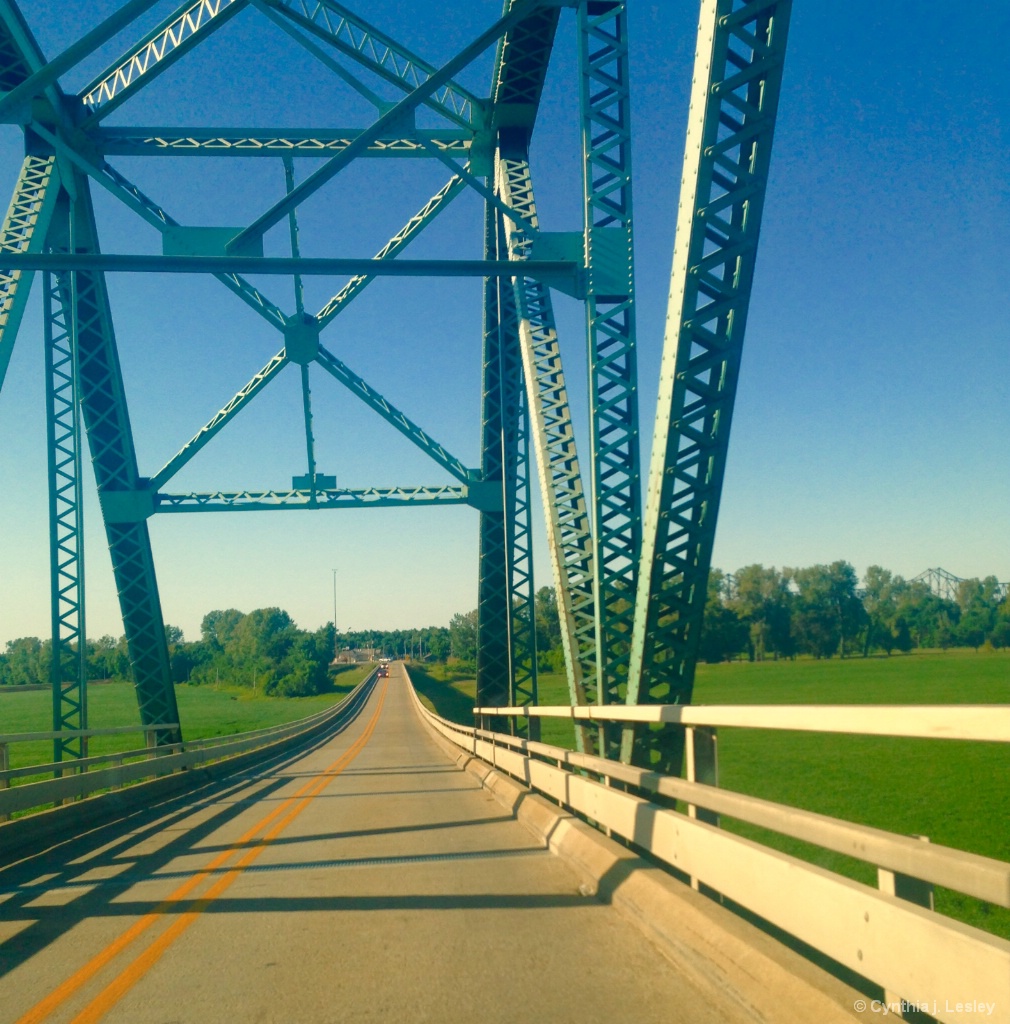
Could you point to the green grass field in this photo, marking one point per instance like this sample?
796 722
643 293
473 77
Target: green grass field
204 710
955 793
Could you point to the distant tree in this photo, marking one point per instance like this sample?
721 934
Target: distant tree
303 670
439 642
830 616
931 619
979 605
103 661
881 592
218 626
723 634
1000 635
762 600
463 635
27 661
902 635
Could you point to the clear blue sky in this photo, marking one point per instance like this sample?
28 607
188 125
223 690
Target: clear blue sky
872 418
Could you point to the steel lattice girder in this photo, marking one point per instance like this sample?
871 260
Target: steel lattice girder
507 650
380 54
737 78
518 535
66 542
418 95
617 518
506 632
393 247
111 441
270 501
568 530
24 230
498 440
157 51
162 141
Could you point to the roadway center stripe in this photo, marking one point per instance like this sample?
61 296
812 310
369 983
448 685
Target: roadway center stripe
300 800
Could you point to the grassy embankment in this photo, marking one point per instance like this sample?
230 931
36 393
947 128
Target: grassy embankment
956 793
204 710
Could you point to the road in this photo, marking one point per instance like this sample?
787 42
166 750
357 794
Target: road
366 879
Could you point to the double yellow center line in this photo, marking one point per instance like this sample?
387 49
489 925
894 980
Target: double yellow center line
267 830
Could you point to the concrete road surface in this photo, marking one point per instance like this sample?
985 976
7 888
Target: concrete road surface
365 880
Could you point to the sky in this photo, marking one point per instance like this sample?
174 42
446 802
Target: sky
872 416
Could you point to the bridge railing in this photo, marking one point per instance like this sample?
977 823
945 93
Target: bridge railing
890 935
79 778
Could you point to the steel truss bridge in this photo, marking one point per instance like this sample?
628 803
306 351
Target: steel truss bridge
630 578
945 584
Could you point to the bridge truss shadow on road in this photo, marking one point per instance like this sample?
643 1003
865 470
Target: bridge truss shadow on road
653 846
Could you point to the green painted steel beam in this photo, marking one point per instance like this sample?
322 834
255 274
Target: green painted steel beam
285 501
498 439
558 272
393 247
36 83
286 25
113 457
610 315
382 55
737 79
68 666
210 429
565 512
520 70
20 56
23 230
255 142
485 191
130 195
156 52
418 95
506 647
406 426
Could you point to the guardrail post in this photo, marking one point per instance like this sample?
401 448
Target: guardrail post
151 742
5 763
914 890
702 756
701 753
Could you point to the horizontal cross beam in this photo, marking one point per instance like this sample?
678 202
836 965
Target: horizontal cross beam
557 273
190 141
268 501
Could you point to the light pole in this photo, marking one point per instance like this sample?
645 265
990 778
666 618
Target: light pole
334 571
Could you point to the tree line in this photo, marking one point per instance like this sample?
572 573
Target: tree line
263 650
756 613
824 610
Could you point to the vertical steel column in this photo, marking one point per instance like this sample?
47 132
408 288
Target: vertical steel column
494 656
610 312
518 525
68 670
737 78
126 500
565 513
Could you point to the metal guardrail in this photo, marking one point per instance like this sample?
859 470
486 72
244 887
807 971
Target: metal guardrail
70 734
890 935
980 722
156 760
